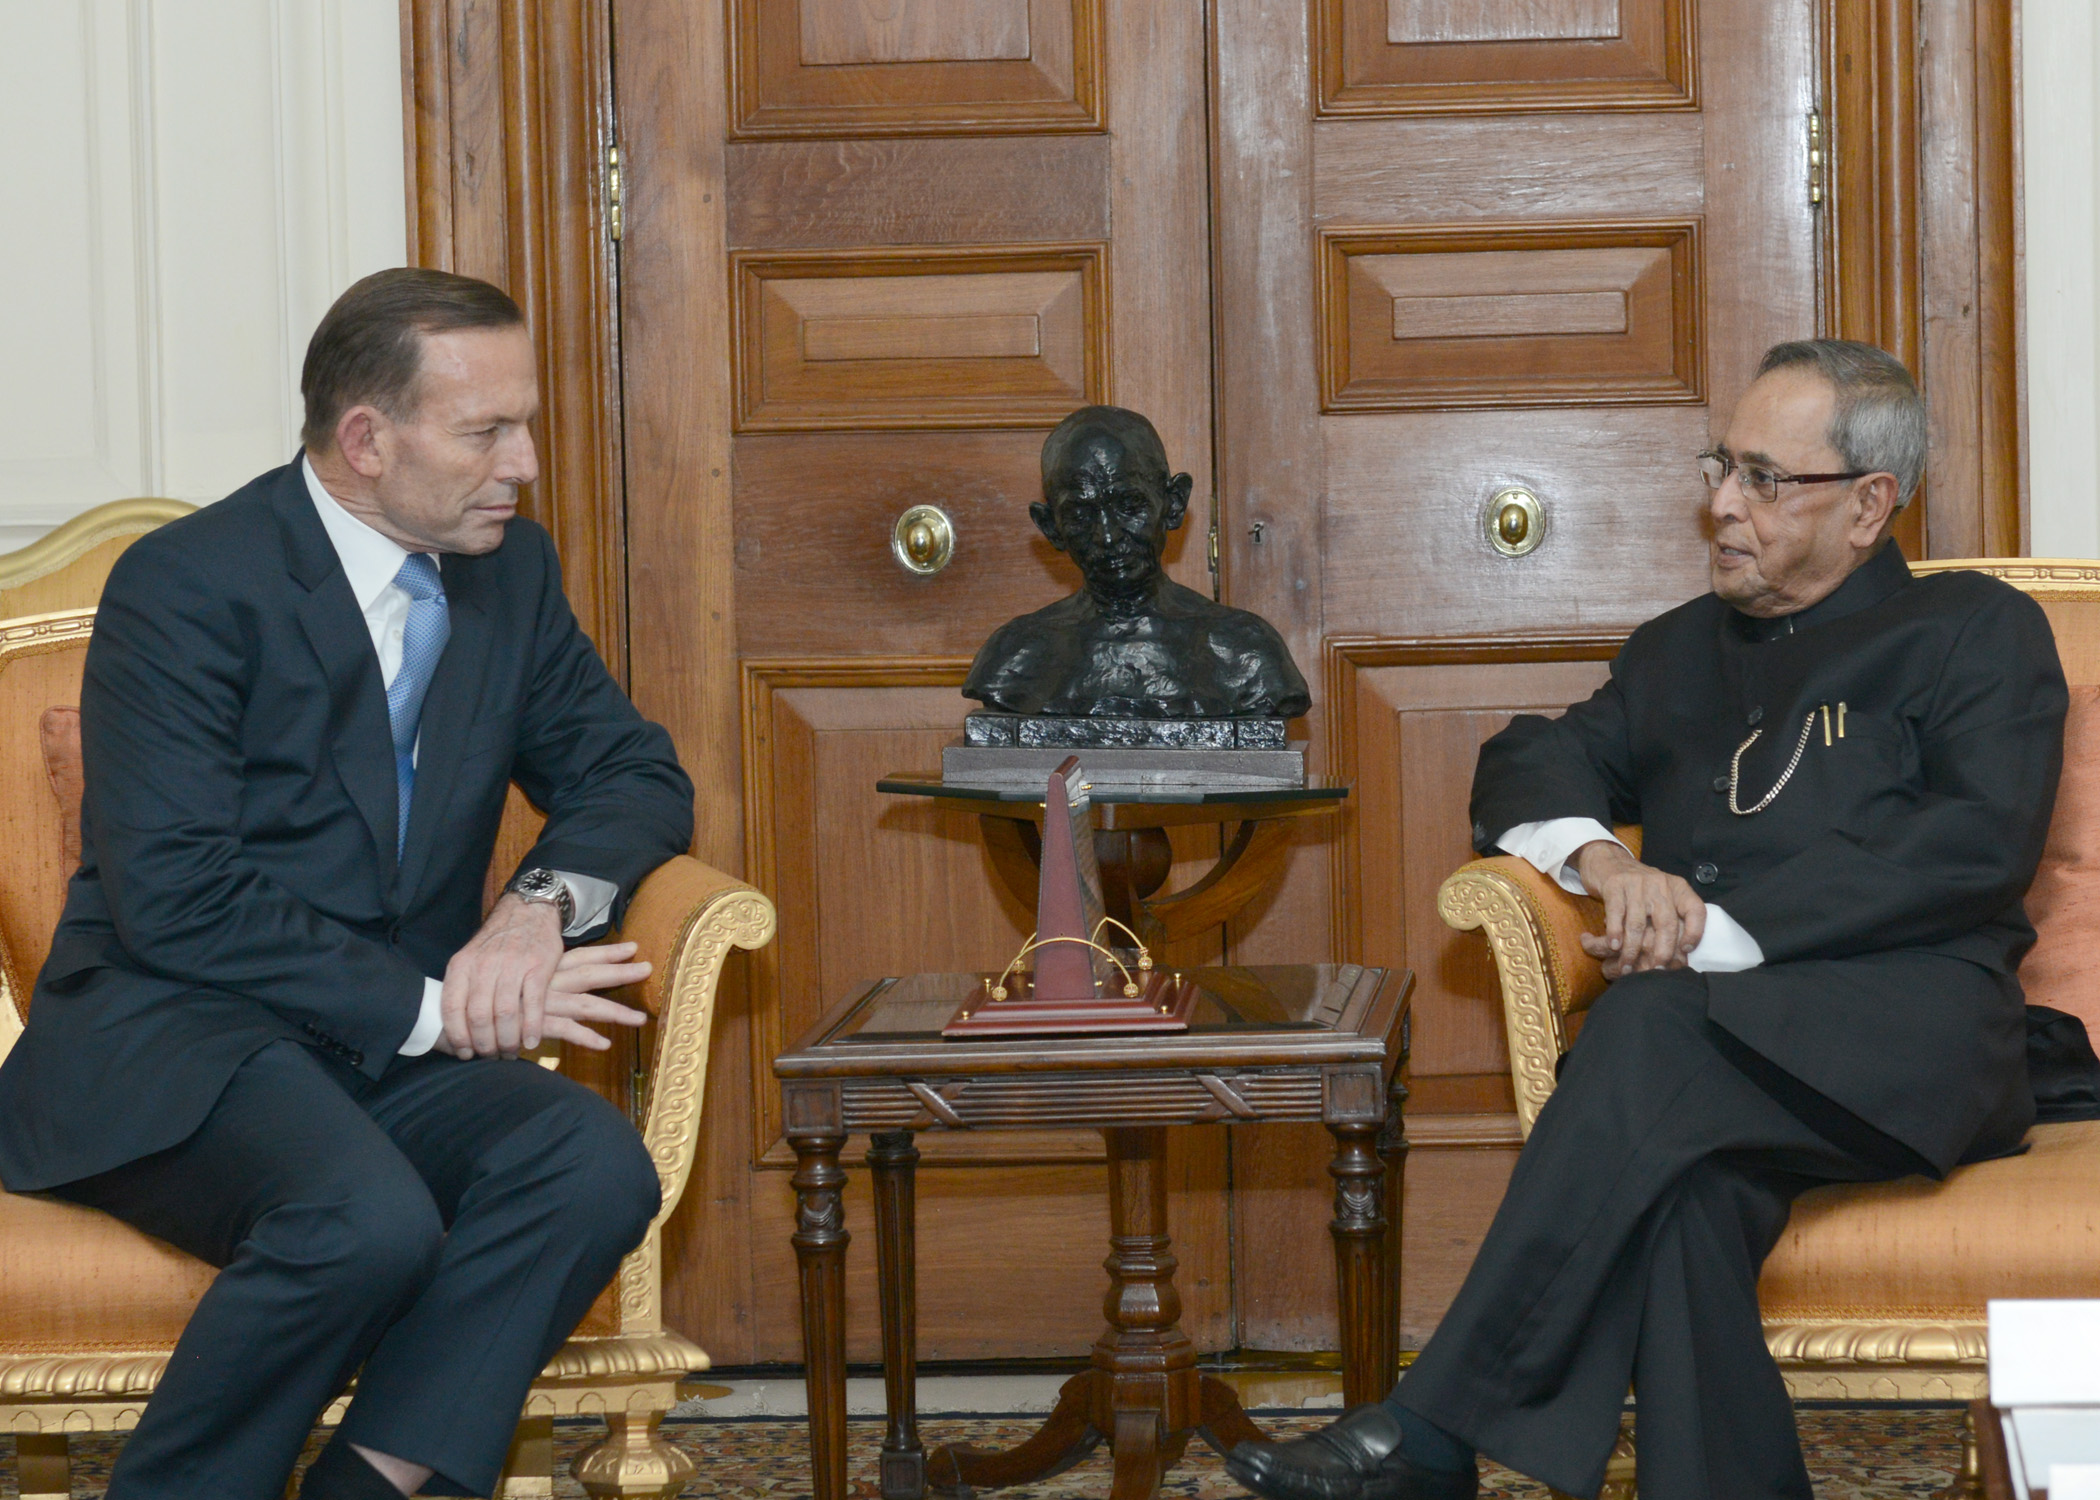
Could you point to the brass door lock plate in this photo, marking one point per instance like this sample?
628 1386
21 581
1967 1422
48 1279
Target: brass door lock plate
1516 521
923 540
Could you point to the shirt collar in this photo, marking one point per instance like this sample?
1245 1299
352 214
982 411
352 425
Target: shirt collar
370 560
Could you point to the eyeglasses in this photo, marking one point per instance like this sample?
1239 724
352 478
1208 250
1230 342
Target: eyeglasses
1759 482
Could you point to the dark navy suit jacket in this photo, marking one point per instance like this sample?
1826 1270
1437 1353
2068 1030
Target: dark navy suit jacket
238 881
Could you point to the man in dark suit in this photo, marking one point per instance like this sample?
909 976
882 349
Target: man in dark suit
274 1029
1844 777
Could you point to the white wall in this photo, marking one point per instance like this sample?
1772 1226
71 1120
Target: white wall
2060 141
187 185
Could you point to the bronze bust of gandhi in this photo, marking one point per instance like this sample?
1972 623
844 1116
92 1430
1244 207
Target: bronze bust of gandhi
1132 643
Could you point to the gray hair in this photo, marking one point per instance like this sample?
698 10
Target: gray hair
1879 422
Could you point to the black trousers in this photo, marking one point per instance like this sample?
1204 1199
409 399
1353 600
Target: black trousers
444 1229
1657 1179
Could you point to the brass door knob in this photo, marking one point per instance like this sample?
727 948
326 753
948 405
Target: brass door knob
1516 521
923 540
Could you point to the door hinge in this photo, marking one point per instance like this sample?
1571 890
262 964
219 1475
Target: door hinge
1818 159
612 190
1215 591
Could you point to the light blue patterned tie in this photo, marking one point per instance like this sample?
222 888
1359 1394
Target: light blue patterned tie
422 643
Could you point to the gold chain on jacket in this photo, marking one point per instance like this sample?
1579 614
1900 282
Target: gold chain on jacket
1735 767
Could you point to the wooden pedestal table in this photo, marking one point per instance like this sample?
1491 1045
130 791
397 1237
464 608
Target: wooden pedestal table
1291 1042
1132 848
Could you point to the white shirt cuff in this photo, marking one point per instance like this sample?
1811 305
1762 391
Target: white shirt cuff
1726 946
1548 846
429 1022
593 898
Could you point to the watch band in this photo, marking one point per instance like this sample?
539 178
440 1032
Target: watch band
544 886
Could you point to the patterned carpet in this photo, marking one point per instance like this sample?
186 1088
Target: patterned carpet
1855 1453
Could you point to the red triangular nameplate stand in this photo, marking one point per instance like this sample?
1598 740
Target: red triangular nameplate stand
1074 985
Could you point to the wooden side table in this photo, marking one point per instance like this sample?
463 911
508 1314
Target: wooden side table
1293 1042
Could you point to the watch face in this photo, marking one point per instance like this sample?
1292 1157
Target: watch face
542 883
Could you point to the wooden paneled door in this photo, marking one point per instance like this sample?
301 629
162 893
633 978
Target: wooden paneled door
872 251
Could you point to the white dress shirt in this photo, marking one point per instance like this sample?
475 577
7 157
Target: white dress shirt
370 562
1547 847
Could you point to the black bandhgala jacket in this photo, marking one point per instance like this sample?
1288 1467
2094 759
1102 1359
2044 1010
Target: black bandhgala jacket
1929 716
238 881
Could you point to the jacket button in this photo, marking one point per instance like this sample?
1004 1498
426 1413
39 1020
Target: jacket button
357 1059
1720 783
1755 716
1707 872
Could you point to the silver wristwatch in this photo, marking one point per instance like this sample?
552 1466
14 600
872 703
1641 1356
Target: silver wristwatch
545 886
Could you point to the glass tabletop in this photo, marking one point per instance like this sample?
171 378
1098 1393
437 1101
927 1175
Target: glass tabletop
1234 1000
928 784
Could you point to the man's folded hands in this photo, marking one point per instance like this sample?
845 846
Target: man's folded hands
513 986
1652 920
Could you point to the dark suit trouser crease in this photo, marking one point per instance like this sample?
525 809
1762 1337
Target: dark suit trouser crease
443 1228
1626 1253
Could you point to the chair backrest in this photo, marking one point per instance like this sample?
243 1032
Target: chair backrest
40 663
2068 590
2062 970
67 568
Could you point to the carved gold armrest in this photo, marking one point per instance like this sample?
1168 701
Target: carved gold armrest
1532 926
684 918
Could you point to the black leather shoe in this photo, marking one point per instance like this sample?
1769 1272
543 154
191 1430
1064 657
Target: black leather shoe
1356 1457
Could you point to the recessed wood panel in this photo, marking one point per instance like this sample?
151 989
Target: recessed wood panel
1407 498
1540 169
1408 723
1400 57
836 32
1507 315
814 517
793 195
1501 20
916 67
917 339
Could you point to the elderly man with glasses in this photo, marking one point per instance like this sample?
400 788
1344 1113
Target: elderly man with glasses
1844 777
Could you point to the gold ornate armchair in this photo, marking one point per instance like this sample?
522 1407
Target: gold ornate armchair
90 1309
1877 1292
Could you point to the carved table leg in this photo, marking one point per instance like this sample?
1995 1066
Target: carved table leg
1142 1393
820 1254
1392 1150
1146 1393
1058 1444
892 1156
1359 1260
1225 1425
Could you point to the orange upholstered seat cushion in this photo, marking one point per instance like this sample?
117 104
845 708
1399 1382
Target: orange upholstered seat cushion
2063 970
2023 1226
76 1278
